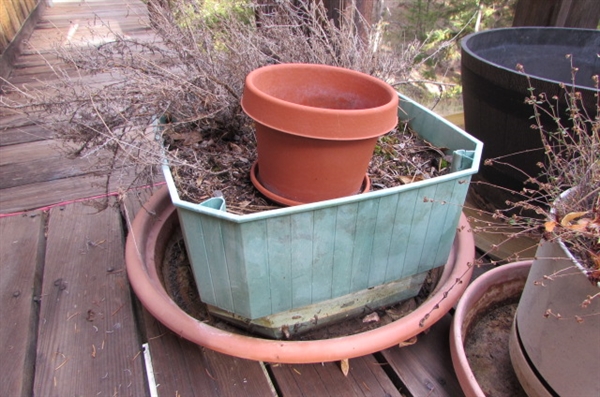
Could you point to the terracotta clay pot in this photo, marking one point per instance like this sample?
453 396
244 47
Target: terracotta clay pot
490 290
154 225
316 128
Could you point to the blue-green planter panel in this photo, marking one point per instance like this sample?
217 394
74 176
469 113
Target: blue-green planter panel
261 264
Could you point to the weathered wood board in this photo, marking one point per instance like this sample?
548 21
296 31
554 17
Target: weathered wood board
182 368
88 342
21 255
366 377
426 367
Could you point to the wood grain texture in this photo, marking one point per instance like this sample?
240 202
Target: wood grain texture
88 342
48 193
182 368
425 368
365 378
21 255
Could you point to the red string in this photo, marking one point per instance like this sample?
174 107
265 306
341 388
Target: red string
62 203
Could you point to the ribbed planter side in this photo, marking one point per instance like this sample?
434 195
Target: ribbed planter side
565 352
264 263
494 91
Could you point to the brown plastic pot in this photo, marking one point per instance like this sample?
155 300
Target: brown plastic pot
316 127
149 234
498 285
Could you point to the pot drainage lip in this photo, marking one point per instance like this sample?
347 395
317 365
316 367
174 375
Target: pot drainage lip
365 187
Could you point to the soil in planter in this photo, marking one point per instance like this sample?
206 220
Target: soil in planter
486 347
178 280
221 165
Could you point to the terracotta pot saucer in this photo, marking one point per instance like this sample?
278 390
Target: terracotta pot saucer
149 234
254 178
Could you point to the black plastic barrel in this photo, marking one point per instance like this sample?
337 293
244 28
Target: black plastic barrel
494 91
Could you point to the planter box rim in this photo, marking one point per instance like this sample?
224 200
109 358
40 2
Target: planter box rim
473 153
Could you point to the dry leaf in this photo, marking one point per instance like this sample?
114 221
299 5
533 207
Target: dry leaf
582 224
371 318
235 148
549 226
566 220
409 179
595 259
345 366
408 342
188 138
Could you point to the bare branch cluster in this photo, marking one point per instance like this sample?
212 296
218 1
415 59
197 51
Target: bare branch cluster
192 74
562 202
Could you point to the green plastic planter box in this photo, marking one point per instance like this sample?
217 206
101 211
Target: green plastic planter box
289 269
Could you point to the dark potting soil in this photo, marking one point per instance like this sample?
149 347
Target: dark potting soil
486 347
178 280
220 165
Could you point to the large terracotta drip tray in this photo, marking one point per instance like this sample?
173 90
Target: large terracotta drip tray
155 229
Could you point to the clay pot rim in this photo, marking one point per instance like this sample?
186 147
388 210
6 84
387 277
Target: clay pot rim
472 294
350 72
365 188
263 108
144 232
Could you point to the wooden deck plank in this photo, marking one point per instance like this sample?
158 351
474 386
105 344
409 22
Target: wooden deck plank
94 17
182 368
426 368
43 80
111 11
42 161
88 342
31 61
73 23
14 119
24 152
21 255
24 134
45 47
365 378
42 194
